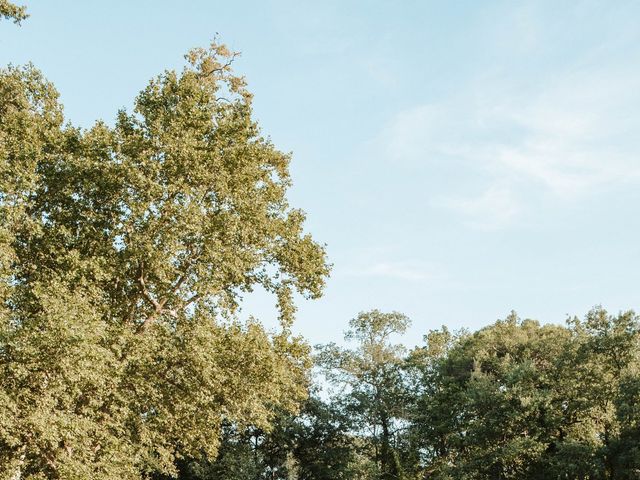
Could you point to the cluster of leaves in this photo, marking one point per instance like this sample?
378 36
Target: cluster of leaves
12 12
124 252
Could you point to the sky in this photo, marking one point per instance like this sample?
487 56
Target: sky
459 159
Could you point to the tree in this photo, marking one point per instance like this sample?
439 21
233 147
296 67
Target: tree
373 377
520 400
607 368
486 410
125 253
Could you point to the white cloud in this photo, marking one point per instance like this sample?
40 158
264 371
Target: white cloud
492 209
399 270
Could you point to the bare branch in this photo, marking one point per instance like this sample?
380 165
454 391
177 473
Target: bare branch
194 298
145 292
159 305
223 68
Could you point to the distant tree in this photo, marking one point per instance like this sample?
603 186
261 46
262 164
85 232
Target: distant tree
626 447
372 375
607 369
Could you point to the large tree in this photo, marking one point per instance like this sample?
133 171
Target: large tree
125 252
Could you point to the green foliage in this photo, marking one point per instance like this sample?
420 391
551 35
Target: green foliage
515 400
324 446
372 375
315 444
521 400
124 254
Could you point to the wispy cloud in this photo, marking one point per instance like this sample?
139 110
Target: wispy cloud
492 209
378 262
568 136
395 270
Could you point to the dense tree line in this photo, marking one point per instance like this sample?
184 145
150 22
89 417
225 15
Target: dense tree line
514 400
124 254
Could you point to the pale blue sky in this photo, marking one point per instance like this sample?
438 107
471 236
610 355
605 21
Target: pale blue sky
460 159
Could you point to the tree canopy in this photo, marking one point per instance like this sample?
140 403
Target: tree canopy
125 252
